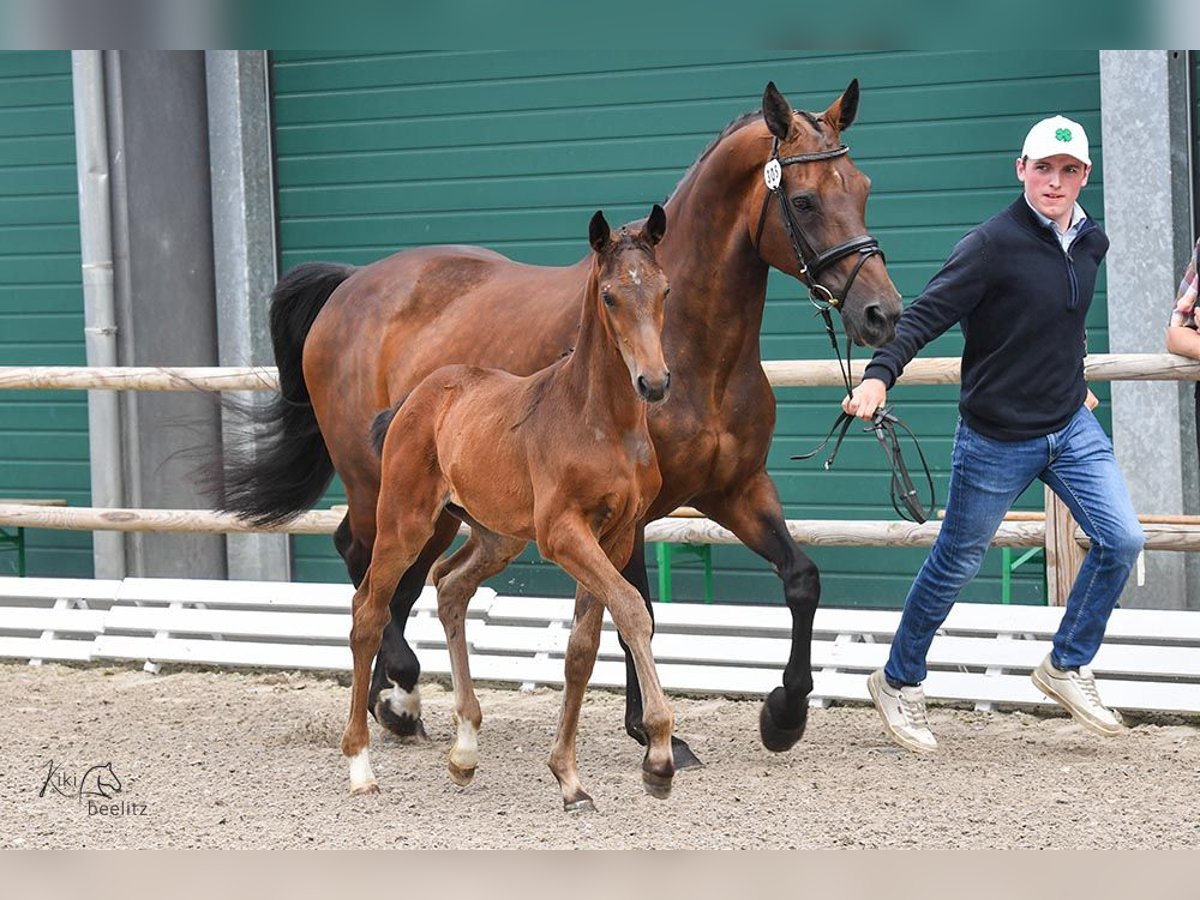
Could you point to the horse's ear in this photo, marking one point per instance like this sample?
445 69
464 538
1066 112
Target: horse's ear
843 110
656 225
777 112
598 231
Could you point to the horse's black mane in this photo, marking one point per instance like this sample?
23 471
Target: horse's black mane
812 119
741 121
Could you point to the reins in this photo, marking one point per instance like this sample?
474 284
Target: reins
903 493
905 499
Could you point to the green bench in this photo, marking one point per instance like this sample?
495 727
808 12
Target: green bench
666 552
14 538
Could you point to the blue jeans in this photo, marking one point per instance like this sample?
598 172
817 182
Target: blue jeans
987 476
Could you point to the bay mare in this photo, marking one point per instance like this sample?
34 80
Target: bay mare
562 456
352 341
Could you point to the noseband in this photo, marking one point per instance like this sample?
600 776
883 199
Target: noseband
812 263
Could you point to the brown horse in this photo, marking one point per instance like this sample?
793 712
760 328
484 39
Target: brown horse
368 335
563 456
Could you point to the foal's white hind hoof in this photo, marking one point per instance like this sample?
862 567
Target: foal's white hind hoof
362 779
580 806
464 755
459 775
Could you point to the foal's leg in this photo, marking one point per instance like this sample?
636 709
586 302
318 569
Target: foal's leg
582 647
396 546
753 512
483 555
570 543
635 573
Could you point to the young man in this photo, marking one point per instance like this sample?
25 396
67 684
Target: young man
1020 284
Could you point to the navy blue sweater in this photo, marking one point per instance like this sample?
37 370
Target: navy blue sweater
1022 302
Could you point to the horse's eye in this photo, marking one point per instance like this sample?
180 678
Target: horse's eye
666 290
608 299
804 203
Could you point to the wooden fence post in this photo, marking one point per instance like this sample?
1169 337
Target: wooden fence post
1064 556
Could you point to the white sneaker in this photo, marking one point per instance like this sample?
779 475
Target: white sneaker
903 714
1076 693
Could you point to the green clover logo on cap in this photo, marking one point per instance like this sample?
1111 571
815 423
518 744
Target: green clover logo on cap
1063 134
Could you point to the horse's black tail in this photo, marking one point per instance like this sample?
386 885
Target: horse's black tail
281 466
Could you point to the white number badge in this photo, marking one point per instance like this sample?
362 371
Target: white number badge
772 174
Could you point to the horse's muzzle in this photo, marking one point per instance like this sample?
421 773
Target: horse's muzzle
875 326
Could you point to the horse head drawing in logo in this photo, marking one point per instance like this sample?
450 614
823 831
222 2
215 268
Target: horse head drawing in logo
100 781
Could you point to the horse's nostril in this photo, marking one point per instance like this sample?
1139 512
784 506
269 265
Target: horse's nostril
643 386
875 315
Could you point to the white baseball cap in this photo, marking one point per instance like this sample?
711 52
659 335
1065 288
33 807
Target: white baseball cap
1056 135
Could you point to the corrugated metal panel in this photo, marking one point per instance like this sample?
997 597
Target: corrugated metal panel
43 434
514 150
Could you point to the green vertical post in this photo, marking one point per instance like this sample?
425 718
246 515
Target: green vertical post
664 573
667 551
1006 575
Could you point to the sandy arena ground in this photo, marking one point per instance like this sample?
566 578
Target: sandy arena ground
237 759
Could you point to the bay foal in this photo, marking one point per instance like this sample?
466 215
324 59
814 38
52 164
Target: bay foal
562 456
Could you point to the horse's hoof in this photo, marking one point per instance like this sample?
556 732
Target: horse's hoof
371 787
583 804
657 786
775 737
404 726
683 755
461 777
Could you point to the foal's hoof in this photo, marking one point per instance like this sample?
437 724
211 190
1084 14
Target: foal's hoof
657 786
680 751
371 787
460 776
683 755
777 737
581 804
407 727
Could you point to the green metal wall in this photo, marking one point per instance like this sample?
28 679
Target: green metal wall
378 152
43 434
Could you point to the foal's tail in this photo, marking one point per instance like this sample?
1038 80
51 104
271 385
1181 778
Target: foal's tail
281 467
380 425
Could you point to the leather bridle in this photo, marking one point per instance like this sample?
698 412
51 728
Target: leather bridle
811 263
905 499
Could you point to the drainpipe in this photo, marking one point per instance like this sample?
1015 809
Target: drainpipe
100 329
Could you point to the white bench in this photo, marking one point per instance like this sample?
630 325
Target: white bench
52 618
984 653
249 623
